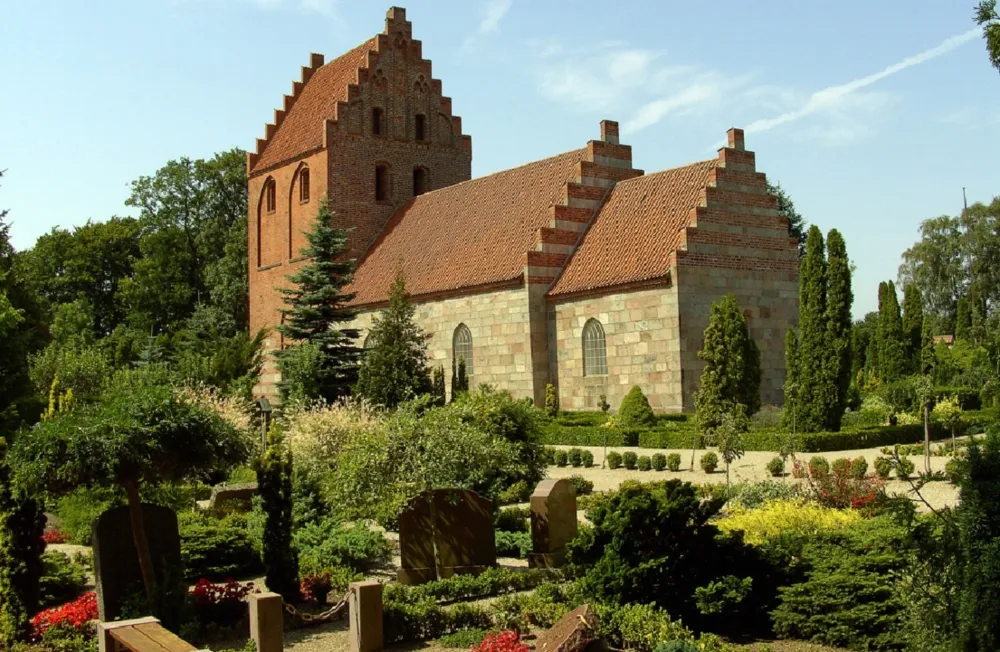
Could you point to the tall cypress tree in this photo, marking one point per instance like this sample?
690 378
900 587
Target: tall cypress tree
394 369
813 392
892 356
317 309
963 319
791 378
913 324
839 298
928 358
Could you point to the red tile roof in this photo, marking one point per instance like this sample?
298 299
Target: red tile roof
637 229
470 234
302 129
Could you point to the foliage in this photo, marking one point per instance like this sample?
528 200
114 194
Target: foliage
614 460
216 548
587 459
21 563
330 542
779 518
505 641
438 387
810 396
551 401
635 411
913 325
513 544
776 467
575 457
561 458
644 463
62 579
750 495
394 368
786 208
629 460
461 588
424 619
986 15
317 585
660 461
459 378
462 639
317 310
904 468
840 486
274 485
883 467
818 466
709 462
582 485
220 604
512 519
839 299
83 371
674 462
76 615
728 435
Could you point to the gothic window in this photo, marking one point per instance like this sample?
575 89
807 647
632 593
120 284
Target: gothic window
369 341
381 182
270 195
419 181
462 348
420 127
304 185
377 126
595 351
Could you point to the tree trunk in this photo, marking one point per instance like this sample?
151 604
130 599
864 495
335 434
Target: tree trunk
694 447
141 542
927 440
954 446
727 474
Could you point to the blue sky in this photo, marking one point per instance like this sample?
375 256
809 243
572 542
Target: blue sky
872 115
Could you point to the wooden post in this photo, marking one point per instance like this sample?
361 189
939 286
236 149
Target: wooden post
365 612
267 627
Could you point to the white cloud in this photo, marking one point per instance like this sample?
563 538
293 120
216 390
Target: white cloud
698 93
493 13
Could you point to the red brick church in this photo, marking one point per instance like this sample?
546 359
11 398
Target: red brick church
576 270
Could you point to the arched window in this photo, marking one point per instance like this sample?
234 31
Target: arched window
381 182
369 341
595 350
419 181
304 185
377 126
461 347
420 127
270 195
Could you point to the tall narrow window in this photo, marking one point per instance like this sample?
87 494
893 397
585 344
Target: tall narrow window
462 348
381 182
304 185
420 127
270 195
377 126
419 181
595 351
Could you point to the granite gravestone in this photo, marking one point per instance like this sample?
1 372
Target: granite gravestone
116 563
240 495
553 522
445 532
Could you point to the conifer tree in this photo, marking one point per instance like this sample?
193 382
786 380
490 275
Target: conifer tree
438 387
892 356
791 378
963 319
317 310
459 379
394 369
928 358
21 524
813 391
913 324
839 298
274 476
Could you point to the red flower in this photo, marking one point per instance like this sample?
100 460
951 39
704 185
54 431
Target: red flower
55 536
228 592
77 614
506 641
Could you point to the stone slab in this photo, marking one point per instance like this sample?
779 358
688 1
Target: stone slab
573 633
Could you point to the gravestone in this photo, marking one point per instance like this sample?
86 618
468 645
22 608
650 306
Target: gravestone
573 633
445 532
116 563
227 494
553 522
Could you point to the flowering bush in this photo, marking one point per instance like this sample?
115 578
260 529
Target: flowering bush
222 603
840 487
780 517
503 642
75 615
55 536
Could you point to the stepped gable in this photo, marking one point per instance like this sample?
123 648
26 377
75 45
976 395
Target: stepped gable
714 213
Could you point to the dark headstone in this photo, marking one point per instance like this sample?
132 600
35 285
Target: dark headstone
228 494
445 532
573 633
116 563
553 522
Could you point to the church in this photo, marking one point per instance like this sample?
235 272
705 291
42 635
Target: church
577 270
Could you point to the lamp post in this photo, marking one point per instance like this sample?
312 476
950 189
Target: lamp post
264 406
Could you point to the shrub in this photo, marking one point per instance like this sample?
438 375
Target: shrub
561 458
776 467
635 411
76 615
575 456
614 460
751 495
583 486
644 463
840 487
551 401
953 469
709 462
640 627
859 467
587 458
330 542
512 519
216 549
659 461
818 466
629 459
883 467
513 544
783 517
62 579
462 639
841 465
417 621
677 646
518 492
630 436
77 511
549 455
220 604
674 462
274 477
904 468
317 585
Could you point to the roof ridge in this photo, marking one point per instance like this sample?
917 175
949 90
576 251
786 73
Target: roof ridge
664 171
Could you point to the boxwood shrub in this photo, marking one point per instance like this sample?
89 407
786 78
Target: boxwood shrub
587 458
674 462
630 459
614 460
644 463
659 461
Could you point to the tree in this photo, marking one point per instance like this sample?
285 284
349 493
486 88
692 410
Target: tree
394 368
963 319
318 310
986 15
923 391
814 389
791 387
551 401
459 379
22 523
862 334
438 387
786 208
274 478
140 433
949 413
839 298
913 325
728 435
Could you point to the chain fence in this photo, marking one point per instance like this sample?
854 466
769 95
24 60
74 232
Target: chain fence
336 611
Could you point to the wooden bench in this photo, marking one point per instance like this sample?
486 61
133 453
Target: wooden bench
140 635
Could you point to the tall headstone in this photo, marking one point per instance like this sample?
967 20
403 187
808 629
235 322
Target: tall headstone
553 522
116 563
445 532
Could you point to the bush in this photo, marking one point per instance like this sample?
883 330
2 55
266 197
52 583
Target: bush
904 468
216 549
462 639
549 455
519 492
318 585
330 542
62 579
674 462
883 467
629 459
781 518
644 463
750 495
77 511
659 461
561 458
709 462
953 469
776 467
859 467
513 544
630 436
841 465
575 456
583 486
614 460
417 621
818 466
635 411
587 458
512 519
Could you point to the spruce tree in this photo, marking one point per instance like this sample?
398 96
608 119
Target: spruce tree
839 298
317 310
913 324
394 369
813 391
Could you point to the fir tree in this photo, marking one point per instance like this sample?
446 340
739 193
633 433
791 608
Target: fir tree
813 391
438 387
839 298
913 324
274 477
317 309
394 369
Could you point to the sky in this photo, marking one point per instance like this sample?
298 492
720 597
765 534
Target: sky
872 115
